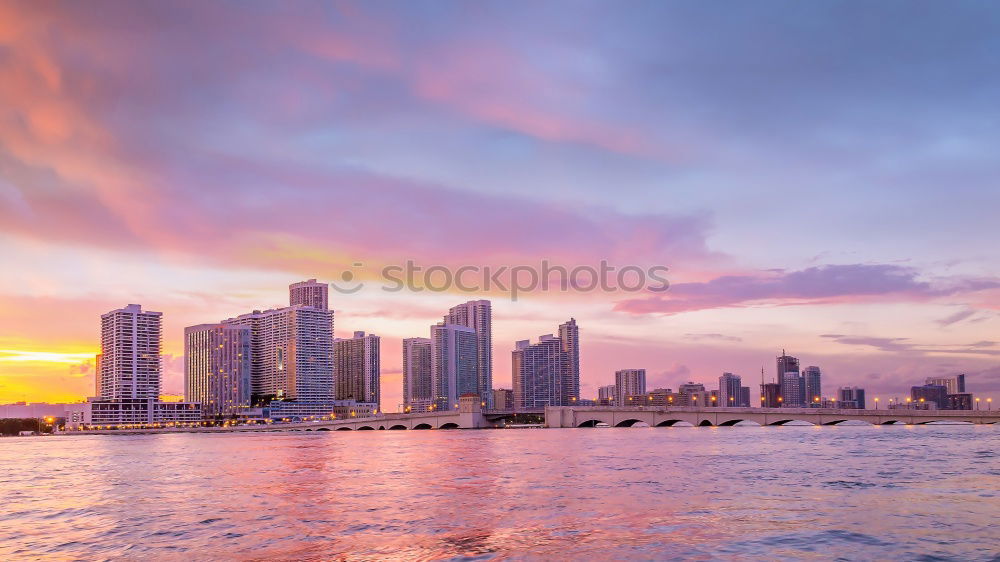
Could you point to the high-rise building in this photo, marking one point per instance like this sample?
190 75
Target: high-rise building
936 393
629 382
954 385
130 354
291 352
770 394
787 364
730 393
851 398
418 390
309 293
607 395
791 390
454 367
129 375
569 336
217 368
357 369
812 377
744 397
547 373
478 315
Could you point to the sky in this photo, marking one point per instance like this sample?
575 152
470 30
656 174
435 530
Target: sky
818 177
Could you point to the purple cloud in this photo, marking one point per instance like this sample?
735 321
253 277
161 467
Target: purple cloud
826 283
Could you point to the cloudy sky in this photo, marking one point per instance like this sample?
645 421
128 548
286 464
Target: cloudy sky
820 177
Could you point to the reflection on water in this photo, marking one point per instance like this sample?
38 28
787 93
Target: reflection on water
694 493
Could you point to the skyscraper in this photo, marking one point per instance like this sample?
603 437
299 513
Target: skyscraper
454 367
629 382
309 293
417 379
787 364
217 368
291 356
730 395
129 374
547 373
813 386
793 391
357 369
478 315
130 354
569 336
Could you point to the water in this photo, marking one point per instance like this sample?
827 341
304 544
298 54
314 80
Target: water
740 493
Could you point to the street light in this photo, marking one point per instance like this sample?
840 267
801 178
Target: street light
977 403
876 402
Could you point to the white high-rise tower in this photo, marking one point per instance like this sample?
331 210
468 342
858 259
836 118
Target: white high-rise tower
131 340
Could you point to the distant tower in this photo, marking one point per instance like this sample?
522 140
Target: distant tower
569 336
730 390
813 386
547 373
453 364
417 376
793 391
357 369
131 341
217 368
629 382
478 315
309 293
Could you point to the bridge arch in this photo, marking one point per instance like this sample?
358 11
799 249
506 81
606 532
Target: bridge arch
449 425
366 427
422 426
629 422
323 429
789 420
674 423
381 427
343 429
705 423
397 427
591 423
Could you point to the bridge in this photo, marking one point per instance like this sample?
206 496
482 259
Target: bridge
591 416
471 417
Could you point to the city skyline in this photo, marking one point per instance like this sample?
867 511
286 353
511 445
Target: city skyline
440 279
794 386
843 210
